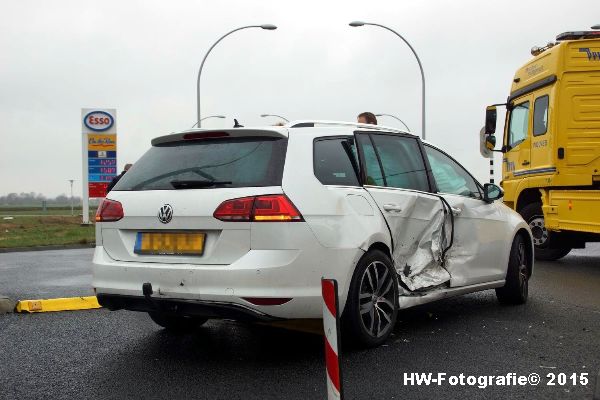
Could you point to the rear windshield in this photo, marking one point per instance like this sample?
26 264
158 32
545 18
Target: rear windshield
231 162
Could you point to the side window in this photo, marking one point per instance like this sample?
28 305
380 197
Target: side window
540 116
373 173
400 159
519 122
450 176
335 162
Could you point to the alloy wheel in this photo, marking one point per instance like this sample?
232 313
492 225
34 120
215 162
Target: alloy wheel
376 299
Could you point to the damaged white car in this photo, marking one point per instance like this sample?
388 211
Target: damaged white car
243 224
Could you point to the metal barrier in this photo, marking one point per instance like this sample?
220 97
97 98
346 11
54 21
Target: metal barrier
331 327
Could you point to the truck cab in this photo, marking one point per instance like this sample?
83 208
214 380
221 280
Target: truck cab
551 143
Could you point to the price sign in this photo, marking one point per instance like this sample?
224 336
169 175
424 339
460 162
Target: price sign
99 130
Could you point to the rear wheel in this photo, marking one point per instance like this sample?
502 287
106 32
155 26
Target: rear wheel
544 241
176 323
516 288
372 305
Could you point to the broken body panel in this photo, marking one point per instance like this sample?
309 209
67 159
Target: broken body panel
431 248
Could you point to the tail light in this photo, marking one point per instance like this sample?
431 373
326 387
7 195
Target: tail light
270 208
109 211
275 208
235 210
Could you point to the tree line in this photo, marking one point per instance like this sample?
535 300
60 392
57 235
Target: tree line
32 198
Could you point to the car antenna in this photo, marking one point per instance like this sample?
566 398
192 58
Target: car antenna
237 124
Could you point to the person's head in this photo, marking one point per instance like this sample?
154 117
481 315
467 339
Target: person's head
367 118
126 167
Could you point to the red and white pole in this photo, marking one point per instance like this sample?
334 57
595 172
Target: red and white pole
331 327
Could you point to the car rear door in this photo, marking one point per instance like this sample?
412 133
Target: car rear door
394 174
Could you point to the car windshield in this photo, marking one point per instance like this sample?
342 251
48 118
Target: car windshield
203 164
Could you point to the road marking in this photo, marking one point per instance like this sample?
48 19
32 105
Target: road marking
60 304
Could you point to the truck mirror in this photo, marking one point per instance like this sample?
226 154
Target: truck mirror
486 144
490 142
490 120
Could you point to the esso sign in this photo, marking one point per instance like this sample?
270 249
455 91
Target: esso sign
98 121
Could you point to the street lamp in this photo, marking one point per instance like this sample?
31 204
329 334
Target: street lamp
360 23
71 181
396 118
210 116
275 115
267 27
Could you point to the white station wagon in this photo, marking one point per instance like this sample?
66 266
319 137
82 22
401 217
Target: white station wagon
243 223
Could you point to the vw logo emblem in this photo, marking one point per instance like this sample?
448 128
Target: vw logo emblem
165 214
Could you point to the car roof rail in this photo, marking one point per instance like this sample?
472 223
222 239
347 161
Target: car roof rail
315 123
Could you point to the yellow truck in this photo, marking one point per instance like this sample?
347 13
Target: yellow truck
551 143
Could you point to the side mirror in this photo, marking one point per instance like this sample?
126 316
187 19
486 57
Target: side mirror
490 120
492 192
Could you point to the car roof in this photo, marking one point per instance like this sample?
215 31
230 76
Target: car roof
314 127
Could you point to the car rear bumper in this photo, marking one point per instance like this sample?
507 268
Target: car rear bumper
221 289
183 307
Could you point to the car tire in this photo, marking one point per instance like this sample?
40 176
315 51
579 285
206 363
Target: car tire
516 288
372 305
545 247
176 323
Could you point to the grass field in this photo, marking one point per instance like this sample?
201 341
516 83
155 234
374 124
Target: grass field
6 207
50 211
6 210
27 231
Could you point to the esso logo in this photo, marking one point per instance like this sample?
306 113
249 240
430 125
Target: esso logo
98 121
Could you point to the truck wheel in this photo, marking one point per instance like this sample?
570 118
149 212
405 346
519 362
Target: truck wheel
544 241
372 304
516 288
176 323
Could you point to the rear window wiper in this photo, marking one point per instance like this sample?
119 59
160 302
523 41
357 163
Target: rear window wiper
195 184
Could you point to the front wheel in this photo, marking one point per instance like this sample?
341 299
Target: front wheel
516 288
372 304
544 241
176 323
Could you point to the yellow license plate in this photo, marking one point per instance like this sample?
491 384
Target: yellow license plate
172 243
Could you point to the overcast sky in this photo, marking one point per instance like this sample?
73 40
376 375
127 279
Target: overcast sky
142 58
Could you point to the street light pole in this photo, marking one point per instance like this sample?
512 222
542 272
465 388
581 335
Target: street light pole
71 181
275 115
396 118
360 23
268 27
210 116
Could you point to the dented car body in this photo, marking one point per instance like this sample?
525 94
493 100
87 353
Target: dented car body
397 222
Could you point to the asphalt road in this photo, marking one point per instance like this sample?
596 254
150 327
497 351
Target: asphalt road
102 354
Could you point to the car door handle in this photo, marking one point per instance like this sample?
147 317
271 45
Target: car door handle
525 162
392 207
456 210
